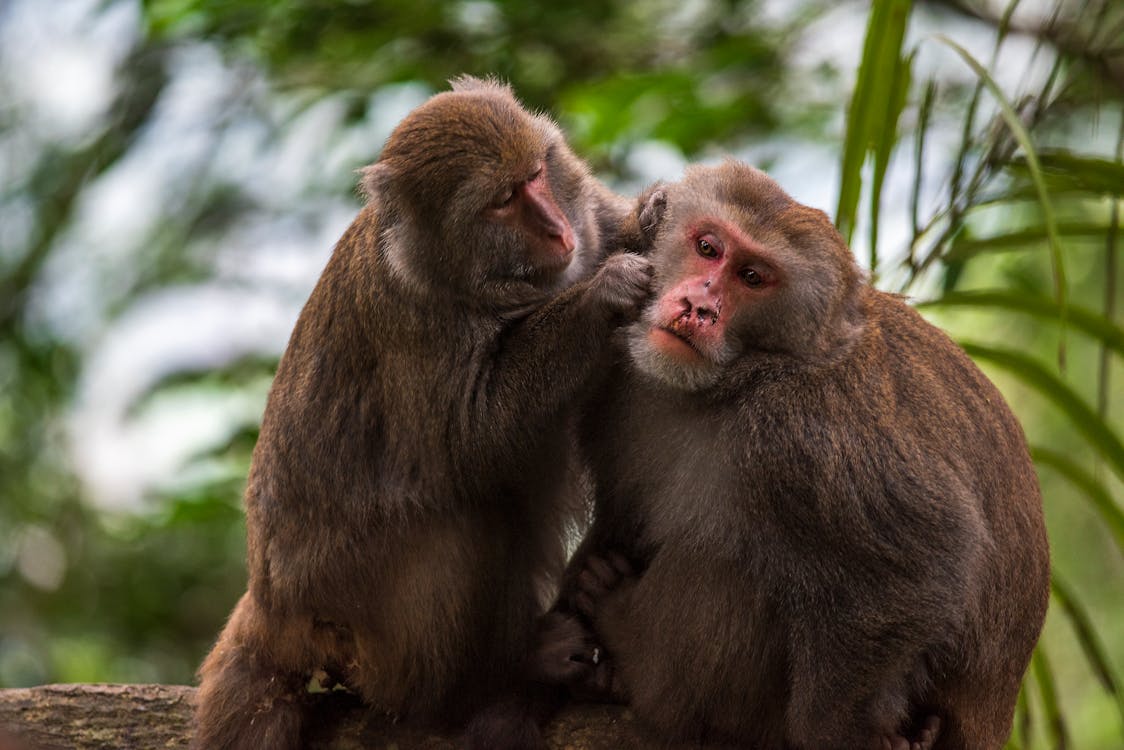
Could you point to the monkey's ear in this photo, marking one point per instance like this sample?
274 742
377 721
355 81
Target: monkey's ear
375 180
472 83
653 203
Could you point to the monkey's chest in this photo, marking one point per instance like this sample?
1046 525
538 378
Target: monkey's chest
680 479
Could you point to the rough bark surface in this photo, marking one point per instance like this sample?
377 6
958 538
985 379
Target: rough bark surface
151 717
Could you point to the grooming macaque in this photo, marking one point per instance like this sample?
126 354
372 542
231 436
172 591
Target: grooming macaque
406 502
835 526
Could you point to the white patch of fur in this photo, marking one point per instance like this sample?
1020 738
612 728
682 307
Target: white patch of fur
687 376
395 241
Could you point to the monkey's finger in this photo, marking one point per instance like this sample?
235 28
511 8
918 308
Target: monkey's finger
584 604
644 280
929 733
621 564
605 573
590 582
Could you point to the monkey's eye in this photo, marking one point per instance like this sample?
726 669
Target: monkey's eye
536 174
504 198
705 249
751 277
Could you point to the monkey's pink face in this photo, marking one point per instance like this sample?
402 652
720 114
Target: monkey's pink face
723 274
528 207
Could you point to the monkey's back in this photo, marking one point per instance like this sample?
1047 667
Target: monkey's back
961 417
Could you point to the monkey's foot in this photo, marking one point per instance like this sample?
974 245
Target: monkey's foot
600 576
565 650
567 653
925 738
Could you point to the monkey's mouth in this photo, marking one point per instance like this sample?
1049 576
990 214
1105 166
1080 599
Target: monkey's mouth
676 329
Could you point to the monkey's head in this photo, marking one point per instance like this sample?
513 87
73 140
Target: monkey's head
475 192
741 269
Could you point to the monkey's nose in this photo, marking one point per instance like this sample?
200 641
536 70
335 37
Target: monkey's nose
703 314
706 316
565 237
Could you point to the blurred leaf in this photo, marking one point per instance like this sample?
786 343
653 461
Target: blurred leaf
1014 122
1024 716
1090 642
718 72
1084 418
965 246
242 371
1090 486
924 119
1088 321
884 144
1083 173
1047 688
879 86
640 106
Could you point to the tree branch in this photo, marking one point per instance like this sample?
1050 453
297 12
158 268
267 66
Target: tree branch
111 717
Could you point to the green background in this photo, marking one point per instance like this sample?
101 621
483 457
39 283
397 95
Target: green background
165 164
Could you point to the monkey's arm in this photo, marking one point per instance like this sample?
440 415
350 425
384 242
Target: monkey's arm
544 362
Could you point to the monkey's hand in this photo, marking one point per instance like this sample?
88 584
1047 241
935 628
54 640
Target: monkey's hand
925 738
622 285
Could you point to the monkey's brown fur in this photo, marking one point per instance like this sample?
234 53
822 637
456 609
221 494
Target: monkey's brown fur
836 524
408 490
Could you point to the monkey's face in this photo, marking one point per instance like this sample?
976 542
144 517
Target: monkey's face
710 276
492 197
741 269
527 218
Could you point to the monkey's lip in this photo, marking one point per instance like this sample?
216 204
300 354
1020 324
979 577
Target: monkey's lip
678 337
546 272
553 258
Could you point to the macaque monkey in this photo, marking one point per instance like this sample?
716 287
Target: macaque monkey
817 525
414 473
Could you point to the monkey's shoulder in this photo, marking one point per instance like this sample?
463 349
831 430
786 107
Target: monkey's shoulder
910 345
931 385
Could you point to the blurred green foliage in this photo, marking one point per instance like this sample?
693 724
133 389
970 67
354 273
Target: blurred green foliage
617 69
137 593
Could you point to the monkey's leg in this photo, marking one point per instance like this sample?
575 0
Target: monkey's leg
853 689
684 655
978 711
564 658
245 701
559 657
